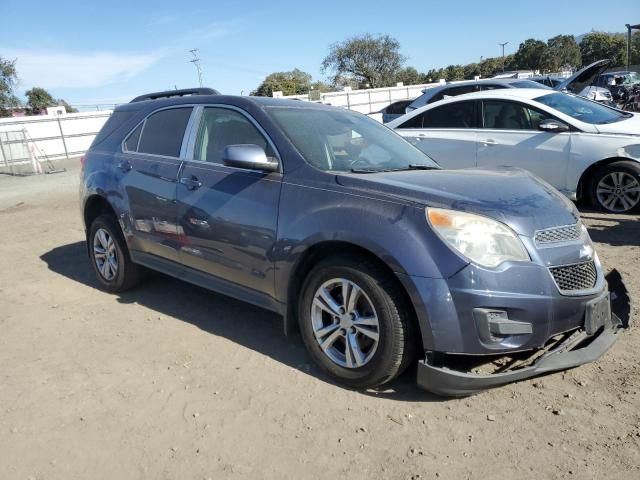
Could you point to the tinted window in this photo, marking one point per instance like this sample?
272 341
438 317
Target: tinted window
491 87
220 127
131 143
453 92
397 107
115 120
582 109
503 115
163 132
452 115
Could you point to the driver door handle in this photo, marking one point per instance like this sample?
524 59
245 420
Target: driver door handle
192 182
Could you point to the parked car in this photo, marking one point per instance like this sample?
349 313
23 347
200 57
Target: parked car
547 80
349 232
583 83
618 83
435 94
584 149
392 111
598 94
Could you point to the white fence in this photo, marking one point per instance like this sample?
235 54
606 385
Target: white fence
369 100
54 136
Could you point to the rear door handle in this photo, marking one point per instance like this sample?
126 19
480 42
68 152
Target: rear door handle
192 182
124 165
490 141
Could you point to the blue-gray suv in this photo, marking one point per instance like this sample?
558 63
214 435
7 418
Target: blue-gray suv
355 237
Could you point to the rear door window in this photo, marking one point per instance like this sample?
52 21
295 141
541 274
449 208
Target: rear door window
163 132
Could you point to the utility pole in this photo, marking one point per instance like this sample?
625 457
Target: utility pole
503 45
196 61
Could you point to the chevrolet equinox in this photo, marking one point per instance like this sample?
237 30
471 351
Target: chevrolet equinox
379 257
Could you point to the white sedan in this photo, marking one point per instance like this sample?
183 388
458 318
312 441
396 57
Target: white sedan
583 148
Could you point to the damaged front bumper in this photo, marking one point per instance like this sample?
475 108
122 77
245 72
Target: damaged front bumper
568 350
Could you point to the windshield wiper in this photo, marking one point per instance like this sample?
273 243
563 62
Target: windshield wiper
419 166
366 170
413 166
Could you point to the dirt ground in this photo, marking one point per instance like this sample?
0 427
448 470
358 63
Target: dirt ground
170 381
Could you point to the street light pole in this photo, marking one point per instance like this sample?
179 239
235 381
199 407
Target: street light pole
503 45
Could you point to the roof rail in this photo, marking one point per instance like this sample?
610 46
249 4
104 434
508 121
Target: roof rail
175 93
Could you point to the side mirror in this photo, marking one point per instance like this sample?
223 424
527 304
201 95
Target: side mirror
248 156
611 82
553 126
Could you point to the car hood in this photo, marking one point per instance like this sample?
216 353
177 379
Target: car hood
629 126
509 195
583 78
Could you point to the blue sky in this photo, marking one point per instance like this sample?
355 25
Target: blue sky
110 51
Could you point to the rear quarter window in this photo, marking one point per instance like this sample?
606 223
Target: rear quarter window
111 125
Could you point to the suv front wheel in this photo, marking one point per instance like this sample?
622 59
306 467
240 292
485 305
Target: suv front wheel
110 257
355 322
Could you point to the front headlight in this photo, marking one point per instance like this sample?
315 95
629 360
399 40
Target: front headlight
482 240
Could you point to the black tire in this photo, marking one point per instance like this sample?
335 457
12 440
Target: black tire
127 274
397 328
630 169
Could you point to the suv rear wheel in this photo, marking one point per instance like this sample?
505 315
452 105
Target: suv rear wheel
355 322
616 187
110 257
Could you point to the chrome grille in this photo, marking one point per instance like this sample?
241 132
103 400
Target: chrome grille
565 233
579 276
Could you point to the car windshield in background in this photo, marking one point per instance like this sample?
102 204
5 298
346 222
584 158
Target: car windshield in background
582 109
345 141
631 78
529 84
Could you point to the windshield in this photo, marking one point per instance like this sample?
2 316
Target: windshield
582 109
529 84
340 140
631 78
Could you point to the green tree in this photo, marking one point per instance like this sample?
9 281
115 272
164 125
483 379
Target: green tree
454 72
529 54
409 76
68 108
8 81
471 70
38 99
635 49
562 51
600 45
368 59
294 82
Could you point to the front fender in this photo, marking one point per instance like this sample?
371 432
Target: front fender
396 233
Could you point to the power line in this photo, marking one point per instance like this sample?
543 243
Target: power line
196 61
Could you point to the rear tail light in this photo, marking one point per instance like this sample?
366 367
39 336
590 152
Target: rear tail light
83 159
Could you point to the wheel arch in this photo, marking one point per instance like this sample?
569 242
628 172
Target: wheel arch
582 191
319 251
95 206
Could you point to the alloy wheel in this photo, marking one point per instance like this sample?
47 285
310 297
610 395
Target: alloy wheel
618 191
105 254
345 323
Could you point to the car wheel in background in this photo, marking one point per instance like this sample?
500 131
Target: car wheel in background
110 257
355 322
615 188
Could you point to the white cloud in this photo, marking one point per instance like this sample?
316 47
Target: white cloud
76 70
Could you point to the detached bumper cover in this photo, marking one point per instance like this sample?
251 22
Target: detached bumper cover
449 382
